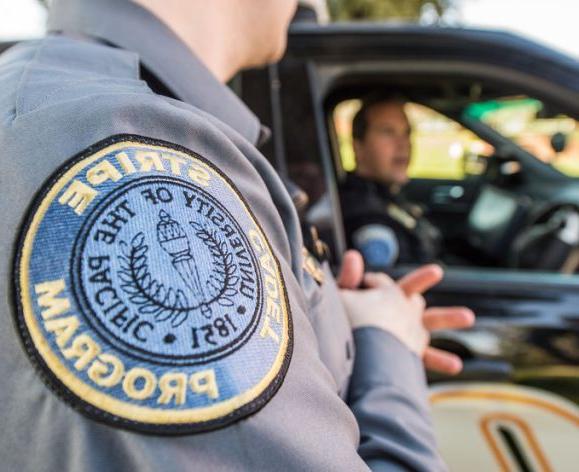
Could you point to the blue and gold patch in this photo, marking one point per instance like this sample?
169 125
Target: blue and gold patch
147 293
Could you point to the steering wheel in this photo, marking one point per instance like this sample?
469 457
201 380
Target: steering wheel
549 241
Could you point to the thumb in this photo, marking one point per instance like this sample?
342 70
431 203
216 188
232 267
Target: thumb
352 270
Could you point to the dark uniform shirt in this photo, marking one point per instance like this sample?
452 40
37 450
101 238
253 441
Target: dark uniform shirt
157 314
385 228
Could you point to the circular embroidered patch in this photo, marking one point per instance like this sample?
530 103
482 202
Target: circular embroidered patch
147 292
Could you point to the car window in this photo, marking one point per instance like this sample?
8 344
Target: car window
441 147
546 133
459 202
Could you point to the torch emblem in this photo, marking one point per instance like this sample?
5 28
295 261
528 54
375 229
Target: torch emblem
173 240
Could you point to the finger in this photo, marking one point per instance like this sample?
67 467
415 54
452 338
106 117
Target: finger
441 361
419 302
377 280
352 270
421 279
436 318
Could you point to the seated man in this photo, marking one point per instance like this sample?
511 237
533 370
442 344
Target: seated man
384 227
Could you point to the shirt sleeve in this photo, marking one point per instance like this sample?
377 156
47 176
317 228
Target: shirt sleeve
303 424
388 396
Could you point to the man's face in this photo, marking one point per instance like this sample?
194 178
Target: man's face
384 152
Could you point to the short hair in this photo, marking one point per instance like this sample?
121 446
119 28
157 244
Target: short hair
360 122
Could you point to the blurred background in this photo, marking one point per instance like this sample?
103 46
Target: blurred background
551 22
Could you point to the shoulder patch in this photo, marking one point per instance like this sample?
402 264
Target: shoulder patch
147 293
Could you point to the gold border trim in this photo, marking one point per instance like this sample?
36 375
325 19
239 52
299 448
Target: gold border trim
102 400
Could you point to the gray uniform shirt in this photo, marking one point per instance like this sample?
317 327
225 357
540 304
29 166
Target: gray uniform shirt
328 411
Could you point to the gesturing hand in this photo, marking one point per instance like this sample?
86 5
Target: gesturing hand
437 318
399 308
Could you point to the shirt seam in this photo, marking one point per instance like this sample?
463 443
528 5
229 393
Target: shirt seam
18 105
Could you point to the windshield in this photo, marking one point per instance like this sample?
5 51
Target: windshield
547 134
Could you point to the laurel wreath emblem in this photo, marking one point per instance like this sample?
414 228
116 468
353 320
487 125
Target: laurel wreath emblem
153 298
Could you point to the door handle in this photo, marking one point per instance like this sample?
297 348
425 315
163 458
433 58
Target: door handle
485 369
480 370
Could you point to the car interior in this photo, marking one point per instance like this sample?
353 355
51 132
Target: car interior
503 198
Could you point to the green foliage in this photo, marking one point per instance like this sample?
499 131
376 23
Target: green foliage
409 10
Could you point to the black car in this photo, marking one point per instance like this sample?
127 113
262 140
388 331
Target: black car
496 167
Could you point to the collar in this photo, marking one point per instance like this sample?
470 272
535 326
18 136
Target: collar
364 185
130 26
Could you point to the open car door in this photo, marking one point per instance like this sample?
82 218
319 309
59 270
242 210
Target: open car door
515 406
